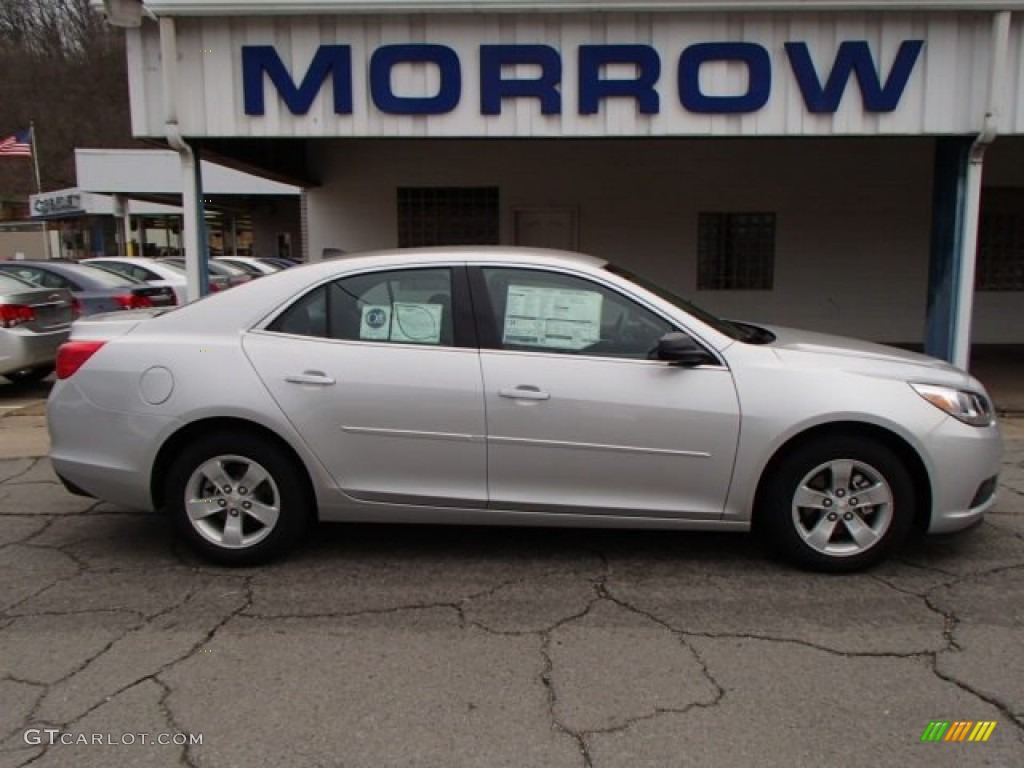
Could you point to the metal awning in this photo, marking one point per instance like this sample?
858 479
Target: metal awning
306 7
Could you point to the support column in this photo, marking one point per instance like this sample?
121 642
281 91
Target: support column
194 226
124 227
946 273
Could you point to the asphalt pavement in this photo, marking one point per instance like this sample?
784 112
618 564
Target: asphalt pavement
448 647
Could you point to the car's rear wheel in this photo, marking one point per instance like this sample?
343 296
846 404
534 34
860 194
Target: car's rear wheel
838 504
237 499
30 375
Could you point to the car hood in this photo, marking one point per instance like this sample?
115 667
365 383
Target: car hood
863 356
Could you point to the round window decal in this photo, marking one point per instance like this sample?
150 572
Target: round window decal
376 318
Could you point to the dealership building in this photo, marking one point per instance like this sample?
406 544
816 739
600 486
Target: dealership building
851 167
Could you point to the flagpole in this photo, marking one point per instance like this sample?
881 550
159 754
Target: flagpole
39 184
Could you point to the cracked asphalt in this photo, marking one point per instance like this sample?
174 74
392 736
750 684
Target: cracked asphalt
449 647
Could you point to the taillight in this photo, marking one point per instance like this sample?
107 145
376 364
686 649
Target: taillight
76 308
214 287
15 314
72 355
131 301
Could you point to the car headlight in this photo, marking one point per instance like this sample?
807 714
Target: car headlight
969 407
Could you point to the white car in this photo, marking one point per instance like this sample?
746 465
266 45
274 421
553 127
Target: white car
250 264
152 271
514 387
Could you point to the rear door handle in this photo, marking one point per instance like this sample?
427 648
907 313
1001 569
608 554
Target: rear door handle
317 378
524 392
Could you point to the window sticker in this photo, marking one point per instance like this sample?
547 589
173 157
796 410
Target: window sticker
407 322
376 324
554 318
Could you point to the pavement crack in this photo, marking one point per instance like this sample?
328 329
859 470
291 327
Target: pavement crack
686 633
547 680
352 614
927 568
187 757
1002 706
196 647
7 611
27 539
43 689
950 620
993 521
681 636
10 480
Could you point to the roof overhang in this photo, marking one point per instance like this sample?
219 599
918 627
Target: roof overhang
307 7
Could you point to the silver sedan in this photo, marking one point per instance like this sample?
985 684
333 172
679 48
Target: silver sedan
34 322
513 387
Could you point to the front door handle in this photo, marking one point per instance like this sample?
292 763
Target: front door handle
317 378
524 392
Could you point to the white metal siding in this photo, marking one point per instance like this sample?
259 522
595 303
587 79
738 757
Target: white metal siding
853 215
945 95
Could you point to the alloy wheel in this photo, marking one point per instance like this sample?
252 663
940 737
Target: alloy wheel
232 501
842 508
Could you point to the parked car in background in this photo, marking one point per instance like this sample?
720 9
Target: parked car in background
34 322
251 264
157 272
96 290
221 274
517 387
153 271
276 261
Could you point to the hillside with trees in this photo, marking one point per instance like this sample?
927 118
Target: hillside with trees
63 67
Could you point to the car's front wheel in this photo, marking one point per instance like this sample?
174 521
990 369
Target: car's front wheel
838 504
237 499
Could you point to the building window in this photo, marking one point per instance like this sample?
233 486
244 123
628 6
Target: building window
1001 241
735 251
447 216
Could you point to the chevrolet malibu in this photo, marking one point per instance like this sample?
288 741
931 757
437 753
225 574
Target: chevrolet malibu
511 387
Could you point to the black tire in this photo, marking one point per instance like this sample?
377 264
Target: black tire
820 536
284 488
29 375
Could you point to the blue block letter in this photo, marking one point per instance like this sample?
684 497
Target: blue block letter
759 87
854 56
545 88
593 88
334 60
387 56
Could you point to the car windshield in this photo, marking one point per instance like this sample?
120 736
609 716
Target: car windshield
173 267
247 268
730 329
100 277
213 267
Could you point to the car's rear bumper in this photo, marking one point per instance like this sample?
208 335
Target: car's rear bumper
20 349
102 453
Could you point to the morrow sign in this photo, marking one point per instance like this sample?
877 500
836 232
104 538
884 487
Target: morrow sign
822 87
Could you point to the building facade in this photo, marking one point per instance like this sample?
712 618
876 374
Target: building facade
851 167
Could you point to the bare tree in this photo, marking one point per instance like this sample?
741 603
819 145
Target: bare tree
64 68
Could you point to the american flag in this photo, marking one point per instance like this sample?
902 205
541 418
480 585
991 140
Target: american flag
18 145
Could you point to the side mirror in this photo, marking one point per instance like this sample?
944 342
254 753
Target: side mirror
679 349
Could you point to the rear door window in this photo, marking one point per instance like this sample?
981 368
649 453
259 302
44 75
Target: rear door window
411 306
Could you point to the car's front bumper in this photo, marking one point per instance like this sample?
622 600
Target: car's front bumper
965 463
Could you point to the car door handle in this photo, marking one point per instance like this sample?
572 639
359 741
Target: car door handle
524 392
318 378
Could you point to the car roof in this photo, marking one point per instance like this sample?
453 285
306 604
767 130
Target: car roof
478 254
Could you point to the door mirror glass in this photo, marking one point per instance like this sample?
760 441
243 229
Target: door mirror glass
680 349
